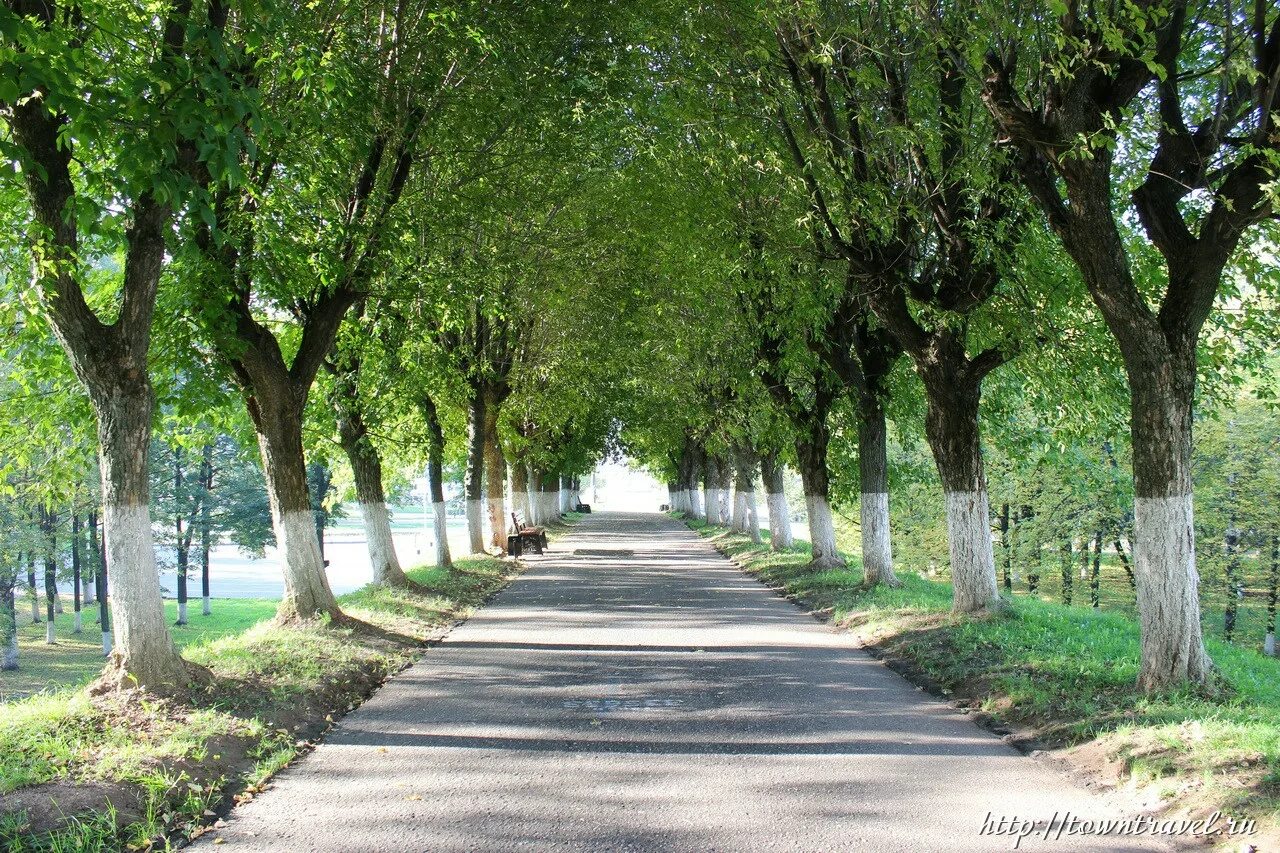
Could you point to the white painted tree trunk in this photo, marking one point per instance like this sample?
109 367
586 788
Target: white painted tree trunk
382 549
679 501
877 549
299 546
475 525
9 661
1269 644
715 507
1164 563
87 595
50 633
205 608
79 623
780 536
973 564
822 533
738 520
498 523
753 517
707 502
182 613
694 499
138 620
564 498
106 644
441 518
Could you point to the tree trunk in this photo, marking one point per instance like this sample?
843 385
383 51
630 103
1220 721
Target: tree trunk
520 491
104 605
711 493
1029 539
1231 568
873 471
771 473
811 453
724 481
548 484
180 543
366 470
50 576
78 626
206 525
1164 526
9 622
738 516
88 574
564 494
689 482
142 647
1006 550
495 475
951 425
1068 570
1273 592
1095 581
474 486
277 419
32 588
435 477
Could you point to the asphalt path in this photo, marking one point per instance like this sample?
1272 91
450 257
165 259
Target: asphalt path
633 690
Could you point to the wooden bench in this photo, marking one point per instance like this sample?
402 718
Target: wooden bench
536 537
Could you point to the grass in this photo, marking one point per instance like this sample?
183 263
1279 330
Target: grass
76 659
1062 674
175 763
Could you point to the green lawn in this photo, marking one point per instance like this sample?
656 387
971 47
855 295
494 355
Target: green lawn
77 658
1066 673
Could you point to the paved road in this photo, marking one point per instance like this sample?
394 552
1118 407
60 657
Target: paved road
635 691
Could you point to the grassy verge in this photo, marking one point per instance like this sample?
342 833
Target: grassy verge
79 772
76 659
1062 677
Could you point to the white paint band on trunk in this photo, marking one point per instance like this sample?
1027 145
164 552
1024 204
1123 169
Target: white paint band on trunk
877 547
305 581
753 518
498 522
973 565
475 524
1164 567
440 526
10 659
779 521
822 531
137 608
182 613
382 550
206 609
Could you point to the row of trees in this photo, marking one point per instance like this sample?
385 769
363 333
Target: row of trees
943 188
722 238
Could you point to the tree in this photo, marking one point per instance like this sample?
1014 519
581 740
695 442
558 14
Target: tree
145 144
1193 162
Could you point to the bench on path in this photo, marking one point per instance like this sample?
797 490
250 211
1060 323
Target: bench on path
536 537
